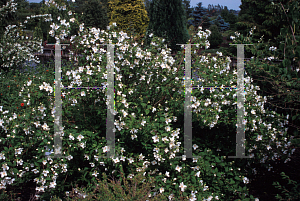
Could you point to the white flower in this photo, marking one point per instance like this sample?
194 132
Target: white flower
178 168
259 137
245 180
155 138
80 137
45 126
95 173
182 186
161 190
239 105
143 122
105 149
197 174
82 93
167 174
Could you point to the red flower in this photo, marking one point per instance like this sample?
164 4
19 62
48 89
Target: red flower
22 104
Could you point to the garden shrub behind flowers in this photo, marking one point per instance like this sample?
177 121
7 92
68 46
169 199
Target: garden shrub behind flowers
149 91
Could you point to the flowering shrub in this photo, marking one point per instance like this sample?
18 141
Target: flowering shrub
149 97
14 48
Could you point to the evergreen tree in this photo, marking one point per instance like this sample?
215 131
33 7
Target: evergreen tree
95 14
215 39
205 22
225 14
130 16
187 8
211 10
197 14
262 14
222 25
147 6
167 20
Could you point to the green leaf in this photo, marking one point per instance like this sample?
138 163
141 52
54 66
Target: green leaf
147 112
294 117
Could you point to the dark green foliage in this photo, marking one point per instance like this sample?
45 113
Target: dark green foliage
38 32
214 10
262 14
187 8
222 25
147 6
167 20
95 14
229 17
215 38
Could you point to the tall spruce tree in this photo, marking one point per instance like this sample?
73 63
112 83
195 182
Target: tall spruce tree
167 20
222 25
198 14
130 16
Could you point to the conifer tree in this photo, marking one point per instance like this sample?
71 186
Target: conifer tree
198 13
95 14
215 39
187 8
262 14
229 17
222 25
130 16
167 20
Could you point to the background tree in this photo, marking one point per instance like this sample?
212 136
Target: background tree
147 6
187 8
197 14
211 10
278 81
167 20
262 14
221 24
38 32
229 17
95 14
130 15
215 39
